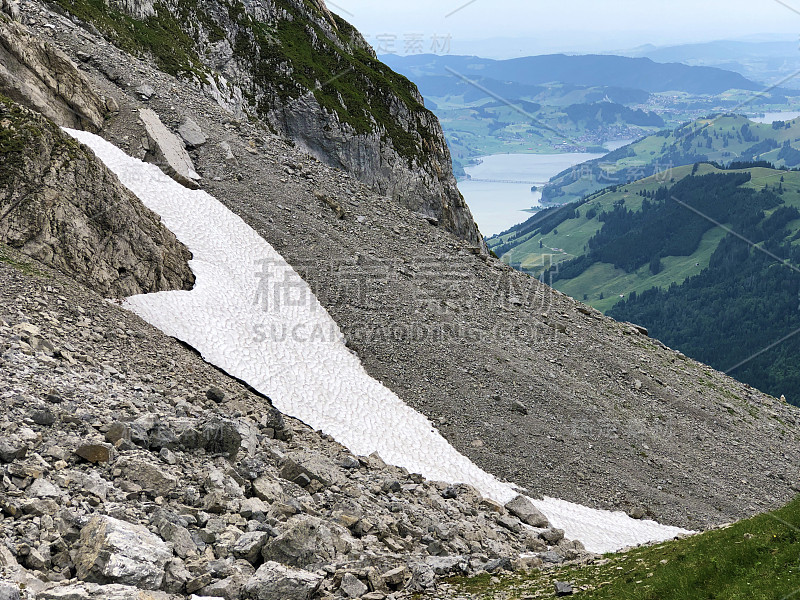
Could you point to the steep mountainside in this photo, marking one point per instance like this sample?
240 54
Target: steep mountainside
152 475
463 339
308 74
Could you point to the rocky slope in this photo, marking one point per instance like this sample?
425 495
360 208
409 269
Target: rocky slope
529 384
312 78
129 464
61 206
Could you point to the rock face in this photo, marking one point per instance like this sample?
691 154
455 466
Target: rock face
43 78
61 206
334 99
113 551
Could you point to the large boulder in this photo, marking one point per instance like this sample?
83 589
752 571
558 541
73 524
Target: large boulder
149 476
113 551
526 512
168 151
273 581
9 591
308 542
304 467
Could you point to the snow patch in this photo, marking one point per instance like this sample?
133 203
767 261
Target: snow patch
252 315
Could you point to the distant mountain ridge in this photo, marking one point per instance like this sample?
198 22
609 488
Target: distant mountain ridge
588 70
764 61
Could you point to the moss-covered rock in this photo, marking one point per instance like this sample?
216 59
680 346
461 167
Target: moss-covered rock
61 206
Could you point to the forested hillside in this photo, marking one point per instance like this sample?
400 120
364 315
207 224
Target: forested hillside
708 261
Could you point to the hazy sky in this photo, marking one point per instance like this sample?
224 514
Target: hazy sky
563 25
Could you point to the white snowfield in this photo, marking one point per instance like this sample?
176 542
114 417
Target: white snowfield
253 316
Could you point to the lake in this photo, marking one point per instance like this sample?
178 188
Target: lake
778 116
500 188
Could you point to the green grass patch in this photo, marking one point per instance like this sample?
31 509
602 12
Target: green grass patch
755 559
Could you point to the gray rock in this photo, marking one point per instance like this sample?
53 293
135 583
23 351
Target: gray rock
308 542
145 91
11 449
519 407
168 456
274 580
249 546
118 431
170 153
637 513
268 489
313 466
95 453
222 437
41 488
191 133
563 588
175 576
524 509
552 536
93 591
230 159
229 588
552 557
43 417
352 587
215 394
147 475
447 565
113 551
162 436
180 539
9 592
396 578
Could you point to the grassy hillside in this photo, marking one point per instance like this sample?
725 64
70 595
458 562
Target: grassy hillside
560 234
756 559
719 139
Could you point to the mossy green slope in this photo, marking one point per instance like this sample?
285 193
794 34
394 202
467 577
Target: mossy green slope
292 55
755 559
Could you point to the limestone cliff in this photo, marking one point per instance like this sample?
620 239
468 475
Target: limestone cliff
312 78
39 76
61 206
